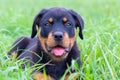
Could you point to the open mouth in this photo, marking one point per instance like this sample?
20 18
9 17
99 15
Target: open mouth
58 50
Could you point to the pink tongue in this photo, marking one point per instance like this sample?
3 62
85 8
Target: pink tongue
58 51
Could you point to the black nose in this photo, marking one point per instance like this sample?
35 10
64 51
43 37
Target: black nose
58 36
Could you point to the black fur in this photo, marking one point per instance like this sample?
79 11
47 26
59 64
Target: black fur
25 46
45 14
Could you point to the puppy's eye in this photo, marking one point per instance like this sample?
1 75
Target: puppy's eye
47 24
68 24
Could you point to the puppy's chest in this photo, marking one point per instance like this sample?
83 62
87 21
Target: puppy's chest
56 70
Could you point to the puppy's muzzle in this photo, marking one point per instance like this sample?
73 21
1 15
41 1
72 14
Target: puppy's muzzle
58 36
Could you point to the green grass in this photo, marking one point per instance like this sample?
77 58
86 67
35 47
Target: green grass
100 49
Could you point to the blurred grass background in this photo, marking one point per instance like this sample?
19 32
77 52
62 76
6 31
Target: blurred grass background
100 49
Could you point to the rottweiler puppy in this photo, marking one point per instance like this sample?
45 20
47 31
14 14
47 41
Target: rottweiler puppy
55 44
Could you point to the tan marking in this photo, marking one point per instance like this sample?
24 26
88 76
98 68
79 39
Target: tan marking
72 40
50 42
42 40
65 19
14 54
74 77
66 77
41 76
50 20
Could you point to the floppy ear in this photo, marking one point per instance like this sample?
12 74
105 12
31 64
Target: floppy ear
36 22
79 22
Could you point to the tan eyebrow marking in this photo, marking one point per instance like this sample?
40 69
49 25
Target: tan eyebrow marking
65 19
50 20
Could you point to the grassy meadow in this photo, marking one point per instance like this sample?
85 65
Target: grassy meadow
100 49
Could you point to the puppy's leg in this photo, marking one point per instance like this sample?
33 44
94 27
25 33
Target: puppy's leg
74 77
18 46
41 76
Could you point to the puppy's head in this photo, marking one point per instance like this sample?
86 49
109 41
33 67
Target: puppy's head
57 31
